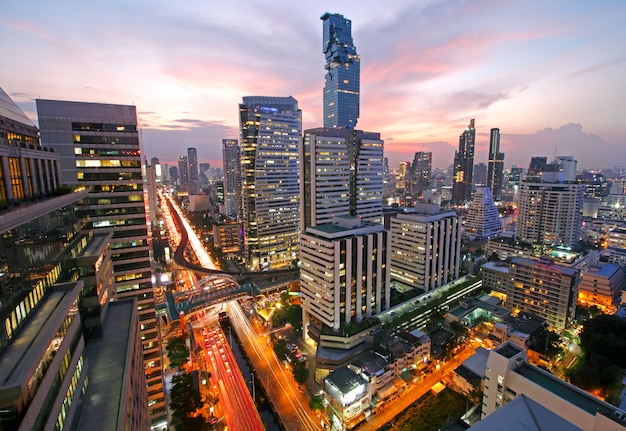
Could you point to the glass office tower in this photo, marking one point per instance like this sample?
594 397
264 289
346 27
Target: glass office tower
343 73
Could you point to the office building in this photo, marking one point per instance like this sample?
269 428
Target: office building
463 180
271 129
342 175
426 247
231 157
100 149
421 171
347 396
568 166
205 175
483 219
192 170
344 274
535 168
547 400
183 173
173 173
544 288
549 213
480 175
495 168
402 178
343 73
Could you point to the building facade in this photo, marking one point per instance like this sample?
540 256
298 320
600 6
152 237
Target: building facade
463 180
341 175
343 73
495 167
100 149
549 213
231 157
421 171
344 273
426 247
271 129
544 288
483 219
192 161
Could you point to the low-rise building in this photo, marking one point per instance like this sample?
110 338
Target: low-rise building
509 375
601 285
347 396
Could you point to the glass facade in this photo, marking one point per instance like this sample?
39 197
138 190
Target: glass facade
271 129
343 73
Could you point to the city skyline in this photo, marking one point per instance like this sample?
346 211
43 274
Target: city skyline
551 83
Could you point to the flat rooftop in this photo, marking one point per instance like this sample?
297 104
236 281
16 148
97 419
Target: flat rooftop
508 350
106 369
577 397
345 379
31 342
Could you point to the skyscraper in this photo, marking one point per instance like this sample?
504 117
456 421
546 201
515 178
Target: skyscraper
483 220
231 157
495 168
421 171
192 160
343 73
464 166
549 213
100 149
342 175
183 173
271 129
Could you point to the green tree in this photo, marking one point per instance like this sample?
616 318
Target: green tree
316 403
184 396
300 374
177 352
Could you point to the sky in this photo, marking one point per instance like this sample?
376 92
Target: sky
551 75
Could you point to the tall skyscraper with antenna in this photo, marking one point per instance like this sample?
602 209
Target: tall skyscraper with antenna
464 166
495 168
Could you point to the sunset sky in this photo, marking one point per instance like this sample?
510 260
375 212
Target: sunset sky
550 74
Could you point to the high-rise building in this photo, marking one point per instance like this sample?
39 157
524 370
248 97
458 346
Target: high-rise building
549 213
183 173
495 168
421 171
271 129
343 73
480 175
462 180
204 174
192 160
173 173
100 149
483 220
402 177
344 273
568 166
231 157
535 168
342 175
426 247
544 288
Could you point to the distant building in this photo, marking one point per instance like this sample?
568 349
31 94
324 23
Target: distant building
426 247
421 171
192 160
556 404
483 219
536 167
271 129
183 173
343 73
549 213
480 175
464 166
231 157
495 168
402 178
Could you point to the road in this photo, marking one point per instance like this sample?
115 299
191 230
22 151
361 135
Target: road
236 403
291 404
415 391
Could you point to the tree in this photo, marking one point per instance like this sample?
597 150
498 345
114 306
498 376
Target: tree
317 403
177 352
185 400
300 374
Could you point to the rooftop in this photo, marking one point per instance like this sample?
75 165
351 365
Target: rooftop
508 350
345 379
558 387
107 358
524 414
